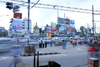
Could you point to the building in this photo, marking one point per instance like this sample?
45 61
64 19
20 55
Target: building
25 26
36 30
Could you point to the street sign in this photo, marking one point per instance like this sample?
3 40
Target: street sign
18 15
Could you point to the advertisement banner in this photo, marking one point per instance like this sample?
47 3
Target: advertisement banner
61 20
17 25
48 29
72 23
53 29
53 24
62 28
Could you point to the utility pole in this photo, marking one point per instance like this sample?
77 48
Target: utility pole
28 20
64 26
93 19
95 28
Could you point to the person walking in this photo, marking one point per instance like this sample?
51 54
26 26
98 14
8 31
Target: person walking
51 43
45 43
64 44
73 42
39 43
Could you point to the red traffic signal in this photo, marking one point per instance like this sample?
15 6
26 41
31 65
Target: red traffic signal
9 5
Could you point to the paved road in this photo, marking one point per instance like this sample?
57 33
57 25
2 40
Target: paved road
65 59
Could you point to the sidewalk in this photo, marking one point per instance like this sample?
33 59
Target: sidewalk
59 49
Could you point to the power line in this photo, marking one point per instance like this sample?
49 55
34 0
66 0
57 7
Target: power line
35 3
59 6
55 8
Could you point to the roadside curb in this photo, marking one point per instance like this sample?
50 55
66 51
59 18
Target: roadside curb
40 54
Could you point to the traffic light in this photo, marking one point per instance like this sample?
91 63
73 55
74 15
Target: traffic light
9 5
16 8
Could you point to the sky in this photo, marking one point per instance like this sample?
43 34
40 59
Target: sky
46 16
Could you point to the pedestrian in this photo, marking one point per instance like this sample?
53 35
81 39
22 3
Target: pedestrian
18 41
73 42
64 44
92 51
45 43
51 43
39 43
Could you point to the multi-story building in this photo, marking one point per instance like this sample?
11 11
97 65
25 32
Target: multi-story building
25 26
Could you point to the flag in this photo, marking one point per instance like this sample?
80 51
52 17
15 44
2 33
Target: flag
49 35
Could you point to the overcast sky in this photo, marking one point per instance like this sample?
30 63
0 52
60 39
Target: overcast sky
46 16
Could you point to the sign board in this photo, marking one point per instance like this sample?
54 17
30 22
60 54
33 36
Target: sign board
18 15
17 25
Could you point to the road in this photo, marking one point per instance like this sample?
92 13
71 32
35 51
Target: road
22 44
65 59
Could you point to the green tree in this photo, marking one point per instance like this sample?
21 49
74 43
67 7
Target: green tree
82 28
40 30
47 25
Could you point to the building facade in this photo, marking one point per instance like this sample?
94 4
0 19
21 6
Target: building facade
25 26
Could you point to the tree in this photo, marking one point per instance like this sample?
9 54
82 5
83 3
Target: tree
47 25
40 30
82 28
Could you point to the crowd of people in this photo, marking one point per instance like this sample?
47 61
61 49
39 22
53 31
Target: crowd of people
43 43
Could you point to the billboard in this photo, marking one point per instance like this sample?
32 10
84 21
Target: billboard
61 20
48 29
72 23
62 28
53 24
17 25
53 29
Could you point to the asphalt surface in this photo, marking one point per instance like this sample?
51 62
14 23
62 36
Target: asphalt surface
69 58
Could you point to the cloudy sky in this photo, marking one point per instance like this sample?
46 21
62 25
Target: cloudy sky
46 16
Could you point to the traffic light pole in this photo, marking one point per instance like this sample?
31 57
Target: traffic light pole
93 19
28 20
